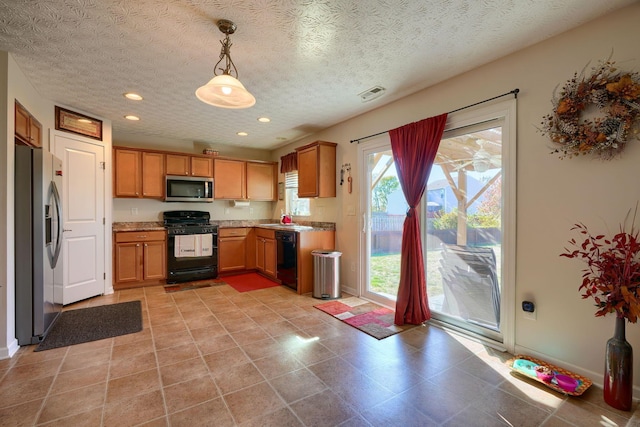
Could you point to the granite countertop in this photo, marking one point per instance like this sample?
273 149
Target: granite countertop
300 226
138 226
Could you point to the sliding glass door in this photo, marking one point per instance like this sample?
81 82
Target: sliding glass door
463 218
383 217
468 224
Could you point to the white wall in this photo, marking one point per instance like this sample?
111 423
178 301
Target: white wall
134 210
15 86
5 271
552 194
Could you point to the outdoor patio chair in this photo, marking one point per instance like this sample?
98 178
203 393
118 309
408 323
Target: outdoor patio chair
470 282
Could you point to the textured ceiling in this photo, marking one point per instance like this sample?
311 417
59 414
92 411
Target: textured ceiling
305 61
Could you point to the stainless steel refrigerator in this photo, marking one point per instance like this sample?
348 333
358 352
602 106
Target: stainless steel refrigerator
38 240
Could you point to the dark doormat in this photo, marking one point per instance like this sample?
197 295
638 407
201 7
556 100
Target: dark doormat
92 324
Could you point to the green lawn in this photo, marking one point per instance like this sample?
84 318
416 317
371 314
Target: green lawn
385 274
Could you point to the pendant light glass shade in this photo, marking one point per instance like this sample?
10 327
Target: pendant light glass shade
225 91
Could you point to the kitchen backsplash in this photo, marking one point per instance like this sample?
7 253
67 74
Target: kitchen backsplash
140 210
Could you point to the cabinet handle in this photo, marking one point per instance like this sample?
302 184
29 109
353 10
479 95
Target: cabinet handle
137 193
145 245
64 230
137 245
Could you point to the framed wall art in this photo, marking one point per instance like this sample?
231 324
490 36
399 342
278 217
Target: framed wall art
80 124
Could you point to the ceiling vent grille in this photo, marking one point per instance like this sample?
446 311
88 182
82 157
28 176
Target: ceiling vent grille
371 94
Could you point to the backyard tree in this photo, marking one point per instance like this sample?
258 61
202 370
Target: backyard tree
489 211
381 191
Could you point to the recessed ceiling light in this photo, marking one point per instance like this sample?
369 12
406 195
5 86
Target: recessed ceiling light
242 134
132 117
264 119
133 96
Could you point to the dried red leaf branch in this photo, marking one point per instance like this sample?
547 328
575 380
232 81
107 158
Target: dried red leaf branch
612 274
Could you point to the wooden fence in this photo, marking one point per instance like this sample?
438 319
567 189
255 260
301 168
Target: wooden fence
386 235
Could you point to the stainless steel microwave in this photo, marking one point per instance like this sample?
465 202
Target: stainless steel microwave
188 189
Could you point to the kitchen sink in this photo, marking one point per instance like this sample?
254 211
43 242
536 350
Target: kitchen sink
293 227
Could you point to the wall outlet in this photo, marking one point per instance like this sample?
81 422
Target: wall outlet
227 211
353 266
134 211
250 211
529 310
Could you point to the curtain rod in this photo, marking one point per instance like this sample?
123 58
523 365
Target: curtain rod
514 92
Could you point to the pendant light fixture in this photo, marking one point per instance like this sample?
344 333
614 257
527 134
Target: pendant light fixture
225 90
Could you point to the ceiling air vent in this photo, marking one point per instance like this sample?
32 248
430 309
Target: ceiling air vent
371 94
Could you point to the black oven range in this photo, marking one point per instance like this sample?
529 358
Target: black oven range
192 244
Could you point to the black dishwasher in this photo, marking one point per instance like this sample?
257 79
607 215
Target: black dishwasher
287 258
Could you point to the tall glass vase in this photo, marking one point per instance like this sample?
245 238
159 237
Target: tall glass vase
618 369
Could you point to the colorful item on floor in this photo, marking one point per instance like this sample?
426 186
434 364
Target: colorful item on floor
366 316
249 282
552 376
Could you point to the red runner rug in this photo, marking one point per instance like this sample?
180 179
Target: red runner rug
249 282
366 316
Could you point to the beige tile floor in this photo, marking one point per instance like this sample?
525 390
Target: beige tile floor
217 357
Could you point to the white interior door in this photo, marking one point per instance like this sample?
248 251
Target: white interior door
83 252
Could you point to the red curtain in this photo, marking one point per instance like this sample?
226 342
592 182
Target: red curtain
414 149
289 162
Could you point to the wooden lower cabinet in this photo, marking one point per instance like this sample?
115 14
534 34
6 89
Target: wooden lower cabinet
307 242
232 249
266 255
245 248
140 257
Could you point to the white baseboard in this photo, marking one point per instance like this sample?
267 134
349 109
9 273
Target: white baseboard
10 350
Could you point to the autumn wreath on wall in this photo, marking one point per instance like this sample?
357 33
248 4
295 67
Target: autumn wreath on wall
595 114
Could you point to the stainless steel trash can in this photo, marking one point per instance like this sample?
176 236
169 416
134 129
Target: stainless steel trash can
326 274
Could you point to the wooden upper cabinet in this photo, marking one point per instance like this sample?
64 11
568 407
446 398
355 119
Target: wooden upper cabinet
189 165
153 181
28 129
317 169
138 174
177 164
127 177
261 181
229 179
201 166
